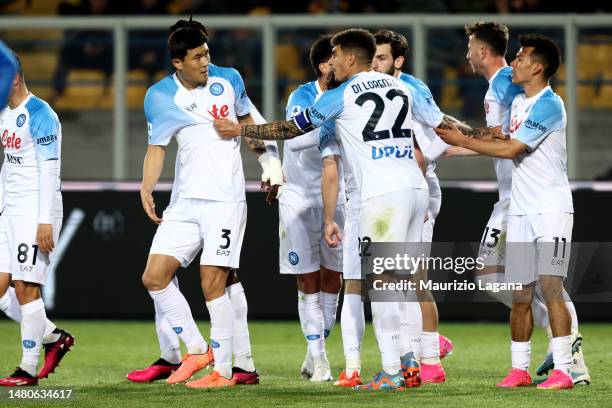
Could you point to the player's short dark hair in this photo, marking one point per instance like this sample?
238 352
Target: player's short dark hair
495 35
19 66
397 42
185 35
356 41
545 51
320 51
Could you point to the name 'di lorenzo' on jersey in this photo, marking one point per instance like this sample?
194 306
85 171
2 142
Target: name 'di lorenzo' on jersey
376 84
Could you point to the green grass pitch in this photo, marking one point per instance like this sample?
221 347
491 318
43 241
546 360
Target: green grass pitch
107 350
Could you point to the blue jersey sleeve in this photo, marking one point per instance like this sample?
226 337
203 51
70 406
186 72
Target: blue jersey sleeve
503 89
164 117
298 102
8 70
327 108
44 128
242 104
545 117
328 146
424 107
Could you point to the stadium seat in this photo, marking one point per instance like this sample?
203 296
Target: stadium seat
39 66
450 91
288 63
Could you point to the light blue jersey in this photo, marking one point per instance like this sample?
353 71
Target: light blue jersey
209 167
372 114
31 133
497 104
302 167
539 177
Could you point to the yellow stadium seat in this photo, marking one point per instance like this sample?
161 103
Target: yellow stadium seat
450 91
39 65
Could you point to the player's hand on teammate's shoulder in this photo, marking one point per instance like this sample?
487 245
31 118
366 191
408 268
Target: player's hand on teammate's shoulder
148 204
227 128
44 238
452 135
333 236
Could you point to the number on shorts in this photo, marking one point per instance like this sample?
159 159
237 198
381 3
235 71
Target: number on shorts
557 246
225 234
364 245
494 234
22 253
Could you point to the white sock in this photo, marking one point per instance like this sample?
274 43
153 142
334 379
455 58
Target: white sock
430 347
32 330
562 353
242 342
572 311
12 309
521 354
352 325
175 308
329 307
168 339
311 319
411 324
221 333
10 306
385 317
504 296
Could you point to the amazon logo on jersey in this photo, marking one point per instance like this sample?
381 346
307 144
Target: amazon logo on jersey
47 140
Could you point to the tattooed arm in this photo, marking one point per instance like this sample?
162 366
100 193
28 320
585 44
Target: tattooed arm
448 120
257 146
485 133
279 130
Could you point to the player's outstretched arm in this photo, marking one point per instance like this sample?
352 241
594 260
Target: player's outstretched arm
329 191
449 120
151 171
278 130
505 149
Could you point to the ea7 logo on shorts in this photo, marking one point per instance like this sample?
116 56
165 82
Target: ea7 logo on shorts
294 259
216 89
177 330
21 120
29 344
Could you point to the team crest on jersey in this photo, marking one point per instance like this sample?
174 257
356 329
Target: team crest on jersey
21 120
294 259
216 89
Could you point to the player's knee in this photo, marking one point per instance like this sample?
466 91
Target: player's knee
153 281
26 292
309 283
352 287
331 281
